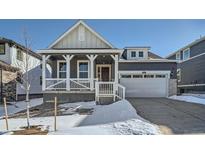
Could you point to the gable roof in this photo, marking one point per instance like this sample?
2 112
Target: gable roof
153 55
73 27
23 48
187 46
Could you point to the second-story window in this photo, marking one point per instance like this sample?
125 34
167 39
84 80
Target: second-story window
178 56
19 55
186 54
141 54
133 54
2 49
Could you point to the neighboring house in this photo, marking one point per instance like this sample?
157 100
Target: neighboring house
87 67
14 55
190 67
8 74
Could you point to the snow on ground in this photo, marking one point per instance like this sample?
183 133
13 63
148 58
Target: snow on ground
19 106
114 119
119 111
187 98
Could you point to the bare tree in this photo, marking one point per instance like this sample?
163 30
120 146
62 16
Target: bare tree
24 76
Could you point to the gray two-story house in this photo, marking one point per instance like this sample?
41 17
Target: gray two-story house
191 67
86 67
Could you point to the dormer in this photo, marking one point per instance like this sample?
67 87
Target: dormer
136 53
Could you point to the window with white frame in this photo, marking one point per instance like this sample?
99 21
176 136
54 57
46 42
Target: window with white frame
62 69
19 55
186 54
179 75
83 69
81 33
178 56
133 54
141 54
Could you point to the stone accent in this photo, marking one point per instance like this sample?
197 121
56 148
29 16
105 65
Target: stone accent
9 91
172 87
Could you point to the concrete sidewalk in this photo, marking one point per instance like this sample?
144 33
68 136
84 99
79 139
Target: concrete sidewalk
172 116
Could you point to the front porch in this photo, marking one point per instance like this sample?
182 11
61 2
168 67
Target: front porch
95 74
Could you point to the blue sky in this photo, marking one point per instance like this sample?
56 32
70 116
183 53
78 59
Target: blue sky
163 36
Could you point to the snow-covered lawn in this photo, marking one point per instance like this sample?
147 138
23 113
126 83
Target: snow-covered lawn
19 106
191 99
113 119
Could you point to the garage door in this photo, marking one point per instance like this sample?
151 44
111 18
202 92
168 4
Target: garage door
140 85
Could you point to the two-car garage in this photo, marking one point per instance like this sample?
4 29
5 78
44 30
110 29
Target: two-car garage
145 83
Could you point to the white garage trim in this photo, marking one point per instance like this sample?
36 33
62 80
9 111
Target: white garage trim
145 87
145 72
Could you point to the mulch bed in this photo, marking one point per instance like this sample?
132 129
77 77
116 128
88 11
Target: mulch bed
33 130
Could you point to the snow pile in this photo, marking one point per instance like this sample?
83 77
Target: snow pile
19 106
135 127
103 114
191 99
129 127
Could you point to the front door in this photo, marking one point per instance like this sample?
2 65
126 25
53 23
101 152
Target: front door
103 72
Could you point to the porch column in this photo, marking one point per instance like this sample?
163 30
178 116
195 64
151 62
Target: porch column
91 58
44 58
43 73
115 58
68 59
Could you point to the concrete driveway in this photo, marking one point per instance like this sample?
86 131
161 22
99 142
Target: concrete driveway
173 117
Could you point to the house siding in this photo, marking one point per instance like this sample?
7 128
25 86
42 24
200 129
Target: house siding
192 71
72 40
73 65
149 67
197 49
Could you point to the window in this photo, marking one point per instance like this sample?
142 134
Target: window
81 33
2 48
141 54
178 75
178 56
61 69
148 76
160 76
133 54
186 54
125 76
83 69
138 76
19 55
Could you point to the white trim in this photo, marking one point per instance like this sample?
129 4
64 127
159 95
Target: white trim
187 46
73 27
147 61
193 57
191 85
60 61
99 66
187 49
84 51
147 72
79 61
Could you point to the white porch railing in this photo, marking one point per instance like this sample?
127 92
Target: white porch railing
75 84
109 89
55 84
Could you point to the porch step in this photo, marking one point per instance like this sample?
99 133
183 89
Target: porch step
106 100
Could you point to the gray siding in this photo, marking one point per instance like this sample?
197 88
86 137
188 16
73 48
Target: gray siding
173 57
149 66
193 71
197 49
73 64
